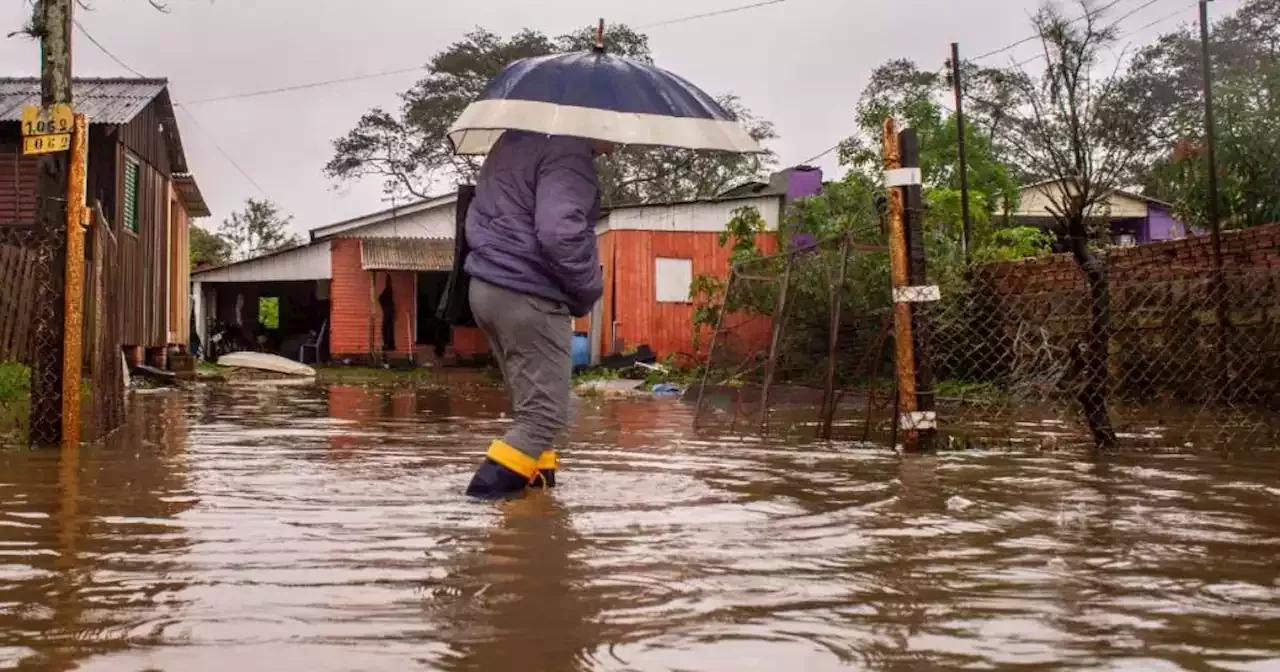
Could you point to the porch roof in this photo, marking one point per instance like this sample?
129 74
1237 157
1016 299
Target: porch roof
406 254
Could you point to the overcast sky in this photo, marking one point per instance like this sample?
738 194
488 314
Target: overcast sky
799 63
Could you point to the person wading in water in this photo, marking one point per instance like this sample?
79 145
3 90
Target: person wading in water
534 267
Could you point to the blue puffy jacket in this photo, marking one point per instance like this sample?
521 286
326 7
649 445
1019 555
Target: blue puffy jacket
531 227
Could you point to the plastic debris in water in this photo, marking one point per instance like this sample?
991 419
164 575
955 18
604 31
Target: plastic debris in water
665 389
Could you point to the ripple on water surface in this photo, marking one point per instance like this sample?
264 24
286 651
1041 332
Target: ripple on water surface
321 528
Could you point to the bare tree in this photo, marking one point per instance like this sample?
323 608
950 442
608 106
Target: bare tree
1071 127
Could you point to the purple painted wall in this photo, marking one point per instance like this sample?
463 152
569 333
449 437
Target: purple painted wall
802 182
805 181
1162 226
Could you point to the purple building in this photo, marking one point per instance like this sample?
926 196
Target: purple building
1133 219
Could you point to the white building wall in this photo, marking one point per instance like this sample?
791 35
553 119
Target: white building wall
709 216
1037 201
436 222
302 263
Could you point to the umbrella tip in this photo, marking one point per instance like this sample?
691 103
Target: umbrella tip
600 37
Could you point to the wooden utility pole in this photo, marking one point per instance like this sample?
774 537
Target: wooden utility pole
958 87
73 333
920 291
52 24
904 358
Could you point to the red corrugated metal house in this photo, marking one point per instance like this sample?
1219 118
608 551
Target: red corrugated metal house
652 252
138 173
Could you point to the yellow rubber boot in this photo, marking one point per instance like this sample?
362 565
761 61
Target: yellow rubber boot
548 462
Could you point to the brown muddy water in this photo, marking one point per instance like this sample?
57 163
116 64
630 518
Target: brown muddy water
322 528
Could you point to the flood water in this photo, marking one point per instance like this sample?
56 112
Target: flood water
322 528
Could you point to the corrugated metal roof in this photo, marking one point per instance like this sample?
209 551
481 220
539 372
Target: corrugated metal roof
406 254
104 101
191 196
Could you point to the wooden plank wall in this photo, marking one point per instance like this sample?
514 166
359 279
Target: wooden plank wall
144 258
17 179
17 286
179 272
105 334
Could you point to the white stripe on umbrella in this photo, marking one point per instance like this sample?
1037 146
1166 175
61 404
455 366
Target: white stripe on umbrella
484 121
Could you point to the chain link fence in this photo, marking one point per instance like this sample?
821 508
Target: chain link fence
1180 359
1027 353
32 327
34 314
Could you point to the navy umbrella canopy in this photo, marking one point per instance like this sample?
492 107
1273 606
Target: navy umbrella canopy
599 96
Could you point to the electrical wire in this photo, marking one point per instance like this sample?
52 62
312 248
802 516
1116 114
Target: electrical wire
399 71
695 17
1032 38
225 155
1166 17
300 87
103 49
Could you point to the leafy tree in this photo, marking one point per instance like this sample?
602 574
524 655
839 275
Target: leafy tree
1167 76
900 89
408 150
1075 128
257 230
208 248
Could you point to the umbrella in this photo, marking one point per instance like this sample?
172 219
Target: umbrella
592 94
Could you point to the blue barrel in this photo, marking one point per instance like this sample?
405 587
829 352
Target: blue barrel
581 351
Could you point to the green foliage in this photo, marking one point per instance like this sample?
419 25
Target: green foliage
1248 155
899 89
208 248
257 230
15 380
269 312
407 149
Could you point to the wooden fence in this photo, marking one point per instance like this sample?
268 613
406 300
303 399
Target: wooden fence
17 292
104 303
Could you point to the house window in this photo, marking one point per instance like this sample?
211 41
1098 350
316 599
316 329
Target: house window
1125 239
673 279
131 170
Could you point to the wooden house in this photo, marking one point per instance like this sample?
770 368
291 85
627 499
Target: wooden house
139 175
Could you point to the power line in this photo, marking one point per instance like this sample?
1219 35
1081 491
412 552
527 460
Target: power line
825 152
1166 17
695 17
398 71
176 104
1032 38
103 49
225 155
299 87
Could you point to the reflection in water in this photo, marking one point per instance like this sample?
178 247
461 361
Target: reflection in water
323 529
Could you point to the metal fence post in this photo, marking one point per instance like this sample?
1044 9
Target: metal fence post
73 329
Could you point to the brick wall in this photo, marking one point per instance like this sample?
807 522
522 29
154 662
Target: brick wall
1165 337
350 304
1255 249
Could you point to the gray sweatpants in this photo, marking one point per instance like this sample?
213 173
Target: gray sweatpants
530 337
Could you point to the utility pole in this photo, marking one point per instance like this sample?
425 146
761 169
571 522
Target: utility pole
957 86
52 24
1218 291
1210 148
